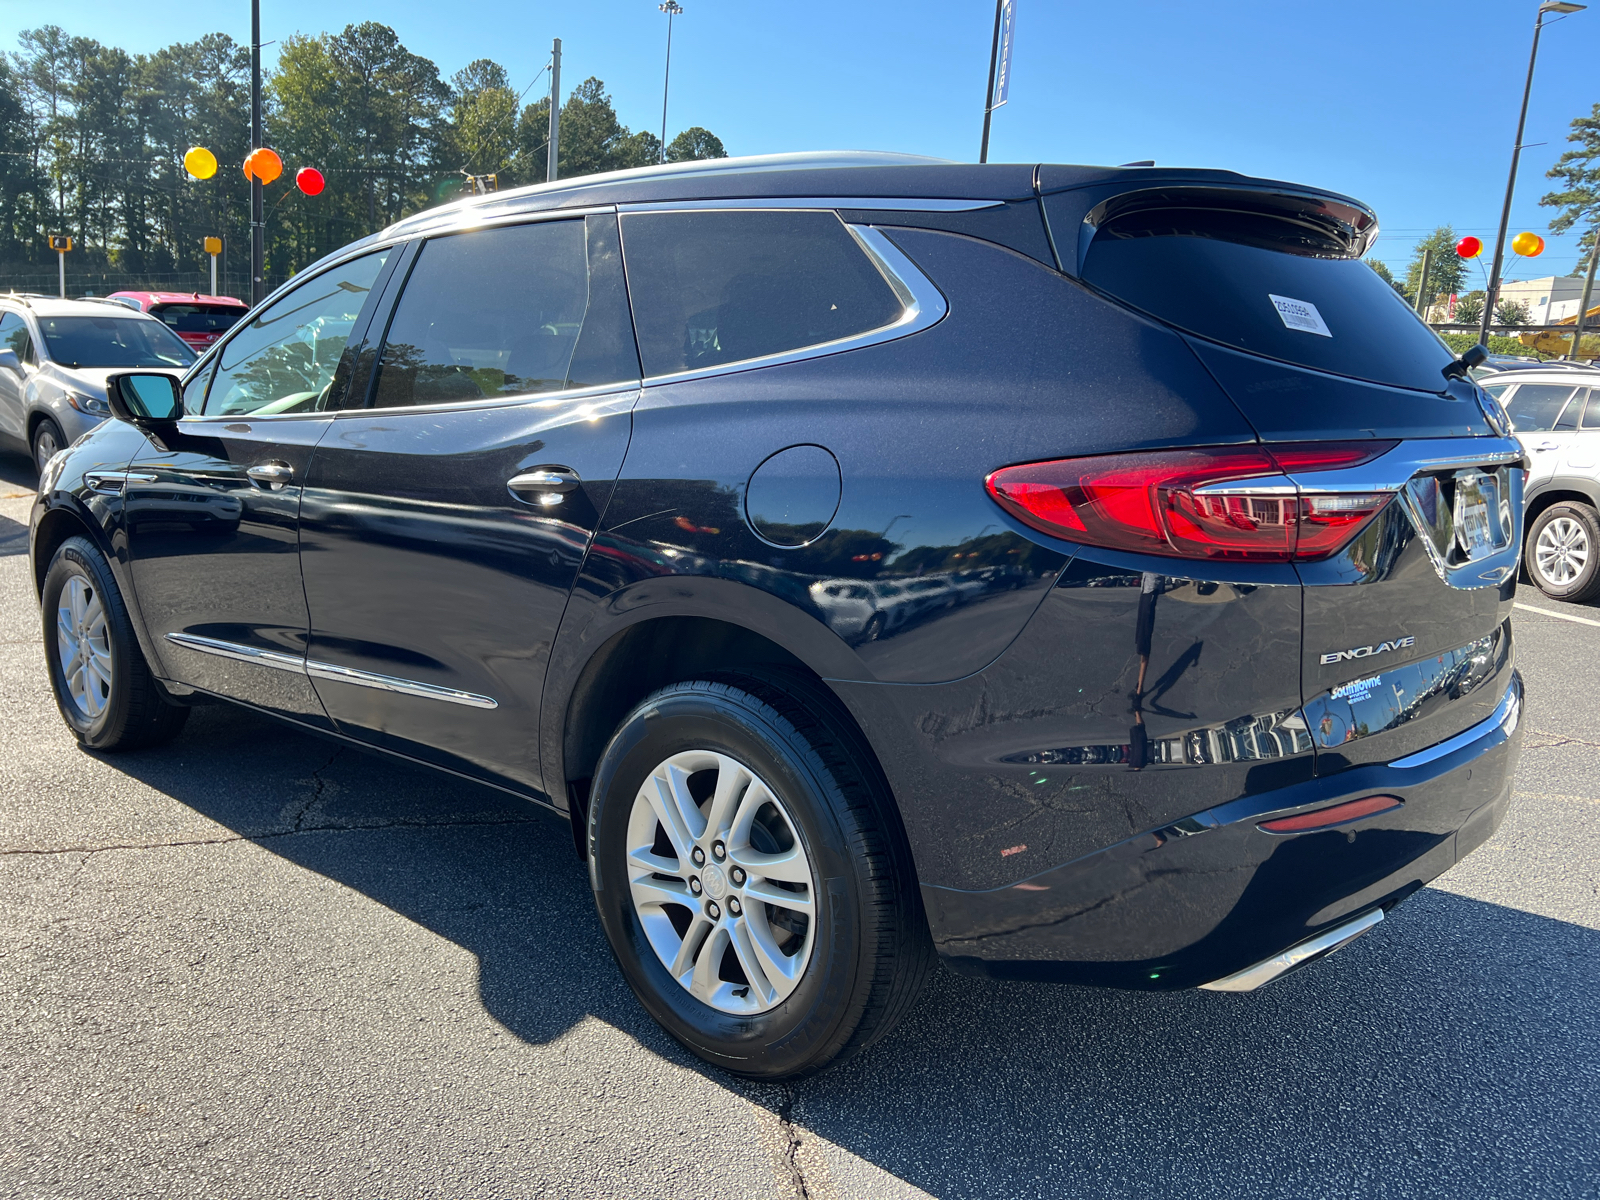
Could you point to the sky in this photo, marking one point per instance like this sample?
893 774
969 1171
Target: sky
1409 105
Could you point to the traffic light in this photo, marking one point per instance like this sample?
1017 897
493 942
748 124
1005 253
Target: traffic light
59 243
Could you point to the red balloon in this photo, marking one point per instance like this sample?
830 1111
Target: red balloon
1469 247
310 181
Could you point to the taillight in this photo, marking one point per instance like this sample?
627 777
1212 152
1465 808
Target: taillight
1227 502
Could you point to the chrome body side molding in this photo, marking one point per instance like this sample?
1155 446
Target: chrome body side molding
319 670
1507 715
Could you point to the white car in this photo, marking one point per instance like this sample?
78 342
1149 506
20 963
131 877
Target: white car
1556 415
54 359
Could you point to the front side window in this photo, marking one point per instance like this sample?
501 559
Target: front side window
113 341
285 359
1536 407
710 288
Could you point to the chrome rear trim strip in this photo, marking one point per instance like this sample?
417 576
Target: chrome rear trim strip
329 671
238 652
1507 714
390 683
1249 979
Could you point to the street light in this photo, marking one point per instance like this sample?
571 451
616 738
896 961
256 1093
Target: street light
673 9
1493 294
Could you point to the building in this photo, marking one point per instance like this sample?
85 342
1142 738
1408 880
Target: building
1548 299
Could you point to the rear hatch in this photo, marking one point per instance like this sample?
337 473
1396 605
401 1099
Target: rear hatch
1405 631
197 323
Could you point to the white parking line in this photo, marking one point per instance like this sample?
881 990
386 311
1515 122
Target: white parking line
1545 612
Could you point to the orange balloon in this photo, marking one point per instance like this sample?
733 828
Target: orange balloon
1529 245
262 165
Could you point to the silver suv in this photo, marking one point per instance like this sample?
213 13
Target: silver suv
1556 414
54 359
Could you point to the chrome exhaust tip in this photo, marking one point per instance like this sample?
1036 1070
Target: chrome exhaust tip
1324 944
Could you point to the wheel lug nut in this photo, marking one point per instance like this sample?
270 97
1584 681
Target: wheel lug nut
734 906
713 910
719 851
699 856
738 876
694 884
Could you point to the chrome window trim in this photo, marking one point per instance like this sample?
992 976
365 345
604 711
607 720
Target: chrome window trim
462 223
298 665
787 203
923 306
1507 714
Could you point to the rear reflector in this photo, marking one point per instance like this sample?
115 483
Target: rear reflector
1327 818
1223 502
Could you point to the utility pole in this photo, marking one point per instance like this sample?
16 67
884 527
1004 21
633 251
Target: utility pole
1421 304
1492 294
258 221
555 112
1588 290
63 244
673 9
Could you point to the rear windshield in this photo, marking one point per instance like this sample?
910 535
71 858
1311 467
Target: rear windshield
113 342
196 318
1260 284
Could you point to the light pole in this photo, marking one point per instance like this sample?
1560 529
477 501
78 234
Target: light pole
673 9
258 218
1493 293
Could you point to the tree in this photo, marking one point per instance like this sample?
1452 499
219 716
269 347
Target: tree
1579 170
1447 272
1509 312
1383 272
483 118
1469 309
695 143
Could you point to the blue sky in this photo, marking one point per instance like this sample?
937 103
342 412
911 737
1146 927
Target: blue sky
1410 105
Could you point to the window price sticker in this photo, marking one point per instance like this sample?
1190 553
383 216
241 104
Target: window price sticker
1300 314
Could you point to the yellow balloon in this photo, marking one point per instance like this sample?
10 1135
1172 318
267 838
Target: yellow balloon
200 162
1529 245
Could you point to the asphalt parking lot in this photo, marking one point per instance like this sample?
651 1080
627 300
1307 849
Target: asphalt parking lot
252 963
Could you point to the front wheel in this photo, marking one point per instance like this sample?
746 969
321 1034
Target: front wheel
752 877
47 440
1563 552
103 686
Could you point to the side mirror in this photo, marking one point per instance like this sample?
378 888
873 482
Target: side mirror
10 361
144 399
1473 357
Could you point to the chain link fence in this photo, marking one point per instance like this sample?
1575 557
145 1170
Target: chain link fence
46 281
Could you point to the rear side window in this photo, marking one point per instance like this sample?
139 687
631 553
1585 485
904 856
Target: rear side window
1267 284
14 336
1536 407
508 312
710 288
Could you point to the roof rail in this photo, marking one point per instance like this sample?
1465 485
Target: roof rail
20 297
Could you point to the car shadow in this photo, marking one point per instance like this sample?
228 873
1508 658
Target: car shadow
17 473
1451 1052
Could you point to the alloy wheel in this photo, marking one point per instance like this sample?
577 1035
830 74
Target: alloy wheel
1561 551
45 446
83 645
721 882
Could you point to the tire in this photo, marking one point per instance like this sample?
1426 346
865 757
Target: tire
1562 552
47 439
104 688
847 971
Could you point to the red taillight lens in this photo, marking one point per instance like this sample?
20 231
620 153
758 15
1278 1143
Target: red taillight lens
1227 502
1327 818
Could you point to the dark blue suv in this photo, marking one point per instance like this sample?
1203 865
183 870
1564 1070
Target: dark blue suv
1073 573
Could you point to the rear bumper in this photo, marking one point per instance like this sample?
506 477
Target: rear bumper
1212 895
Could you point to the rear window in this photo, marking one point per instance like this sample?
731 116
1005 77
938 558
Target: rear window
721 287
1537 407
1270 285
197 318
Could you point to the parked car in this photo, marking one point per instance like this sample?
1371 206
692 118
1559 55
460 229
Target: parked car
524 508
198 320
54 358
1556 415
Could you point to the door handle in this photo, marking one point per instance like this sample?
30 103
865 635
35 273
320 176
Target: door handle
1547 446
544 485
270 475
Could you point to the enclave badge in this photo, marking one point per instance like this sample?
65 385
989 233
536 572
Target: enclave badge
1367 651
